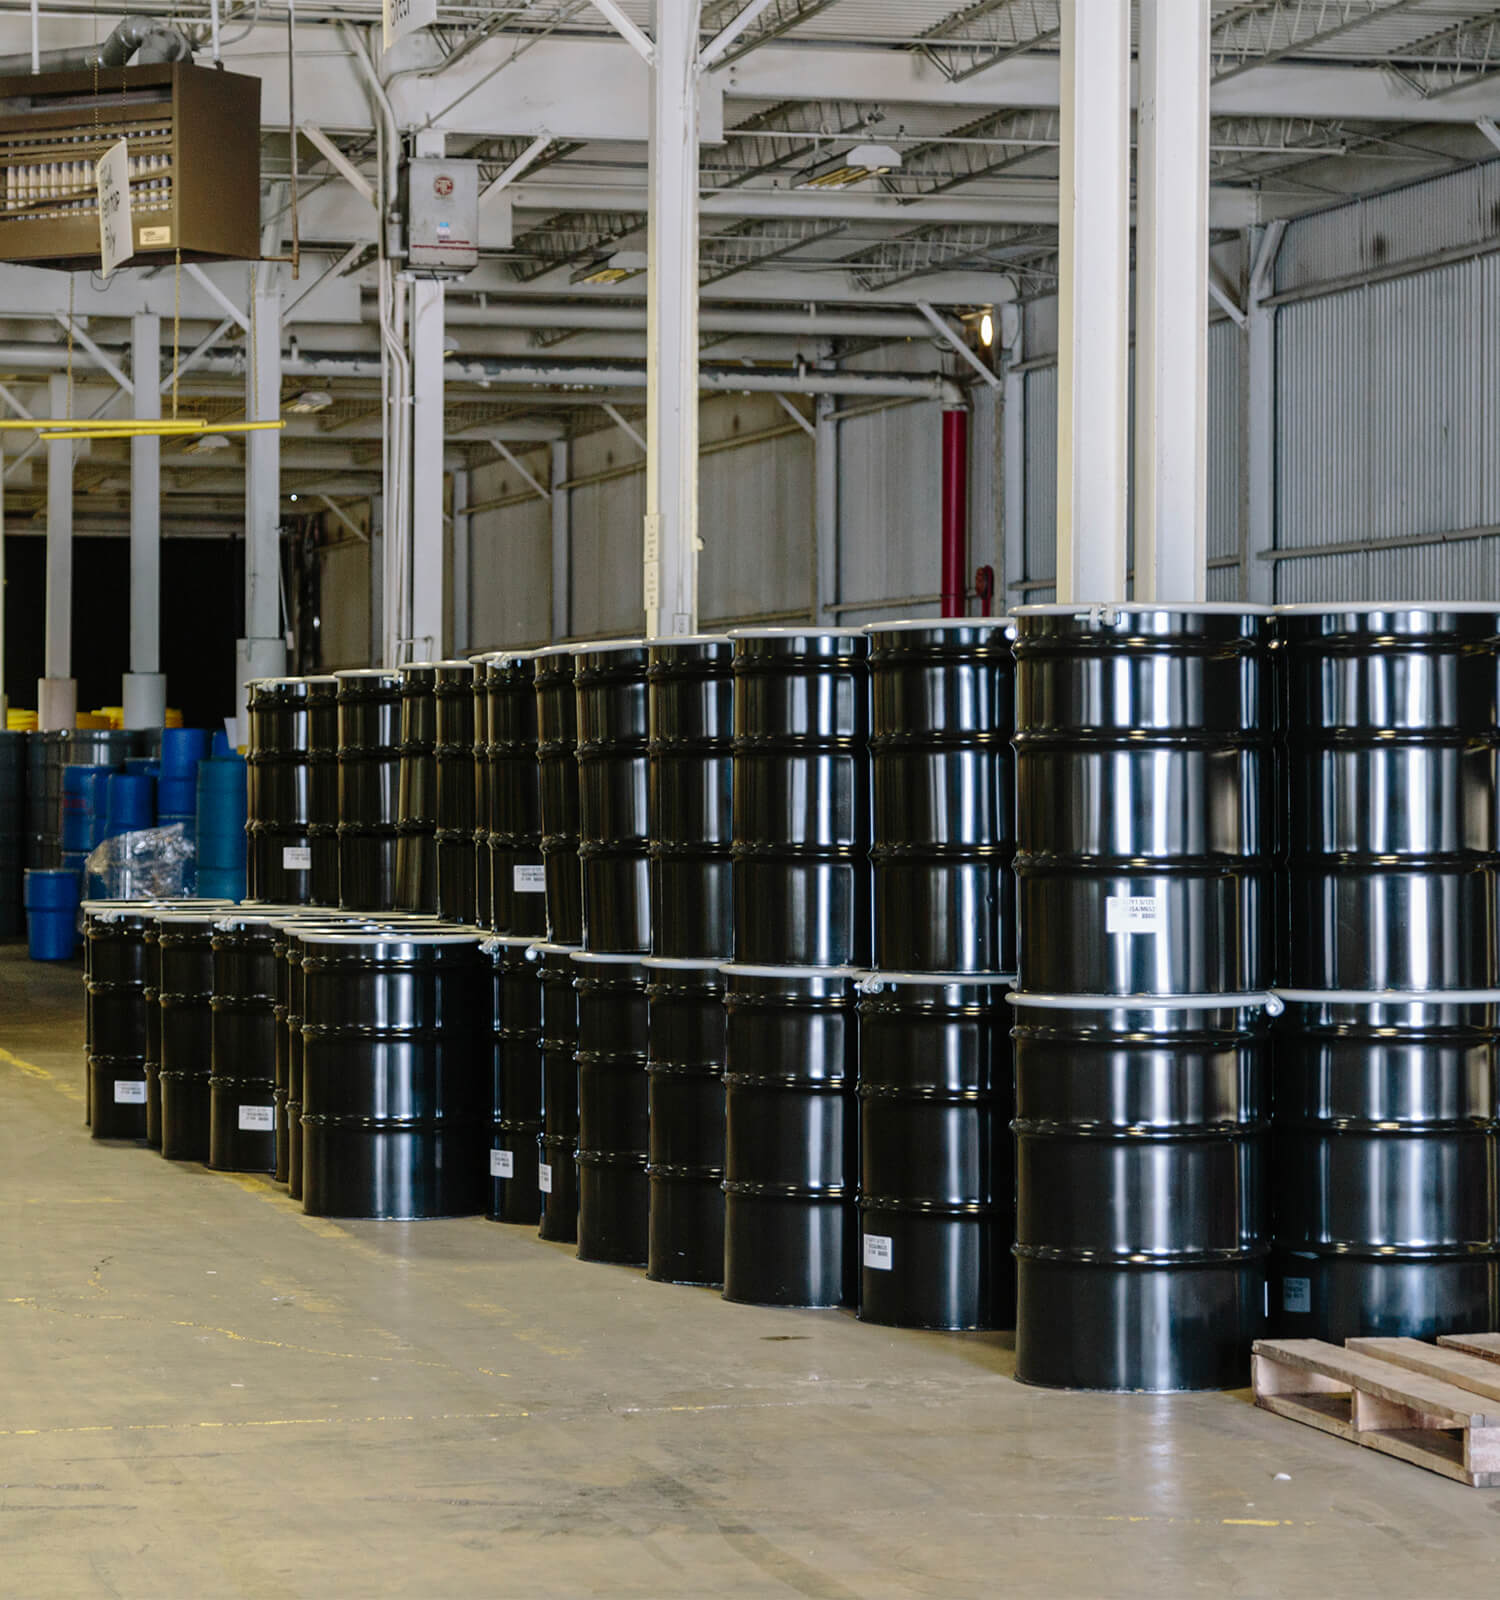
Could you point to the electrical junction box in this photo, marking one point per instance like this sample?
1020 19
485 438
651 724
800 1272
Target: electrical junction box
442 217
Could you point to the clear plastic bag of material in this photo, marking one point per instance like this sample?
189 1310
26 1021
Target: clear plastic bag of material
146 864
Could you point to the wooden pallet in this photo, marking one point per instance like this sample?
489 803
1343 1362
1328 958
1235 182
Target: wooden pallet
1437 1406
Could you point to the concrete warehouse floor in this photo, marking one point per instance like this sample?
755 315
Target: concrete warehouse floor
206 1393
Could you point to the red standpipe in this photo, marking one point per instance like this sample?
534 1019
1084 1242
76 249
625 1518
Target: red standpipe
955 512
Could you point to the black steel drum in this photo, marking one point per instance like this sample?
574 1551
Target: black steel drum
1383 1141
416 790
613 826
242 1087
557 1144
394 1093
323 790
1145 796
1393 798
518 882
278 859
557 767
791 1137
937 1175
690 684
613 1109
685 1075
150 994
281 941
1141 1234
185 999
801 797
117 1021
481 862
455 791
369 703
13 832
942 711
516 1100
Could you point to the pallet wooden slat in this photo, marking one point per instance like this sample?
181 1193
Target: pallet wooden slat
1416 1408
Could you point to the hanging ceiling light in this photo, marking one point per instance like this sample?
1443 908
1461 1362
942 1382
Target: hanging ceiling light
206 444
854 166
309 400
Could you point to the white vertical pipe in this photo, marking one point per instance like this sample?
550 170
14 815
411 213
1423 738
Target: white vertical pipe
262 650
1013 467
145 497
670 553
1171 303
825 507
144 689
1258 581
59 629
1093 300
562 542
461 561
427 542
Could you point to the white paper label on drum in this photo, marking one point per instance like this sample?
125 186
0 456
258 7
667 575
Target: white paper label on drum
296 857
129 1094
544 1177
878 1252
1296 1294
258 1119
529 880
1135 913
502 1164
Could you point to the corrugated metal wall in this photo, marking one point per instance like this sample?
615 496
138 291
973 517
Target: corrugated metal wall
1387 405
1225 512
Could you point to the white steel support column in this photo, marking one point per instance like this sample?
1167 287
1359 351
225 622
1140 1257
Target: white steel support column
427 541
262 650
562 542
1171 303
461 573
1013 465
1259 578
1093 300
825 509
144 692
670 554
57 693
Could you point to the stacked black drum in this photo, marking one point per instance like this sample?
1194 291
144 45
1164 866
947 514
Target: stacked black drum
610 980
323 790
1144 866
416 790
369 713
690 720
801 870
278 855
935 1083
1387 1056
454 755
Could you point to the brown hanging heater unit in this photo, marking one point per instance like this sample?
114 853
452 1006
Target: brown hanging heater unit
193 135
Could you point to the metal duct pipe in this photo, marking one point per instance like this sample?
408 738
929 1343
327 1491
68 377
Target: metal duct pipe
632 319
151 39
523 370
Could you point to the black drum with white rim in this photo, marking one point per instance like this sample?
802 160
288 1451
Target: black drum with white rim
395 1115
613 1109
557 1144
791 1161
185 998
942 711
937 1174
516 1098
1141 1202
685 1052
557 770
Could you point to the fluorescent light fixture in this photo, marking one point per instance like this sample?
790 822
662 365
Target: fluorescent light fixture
854 166
309 400
612 268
